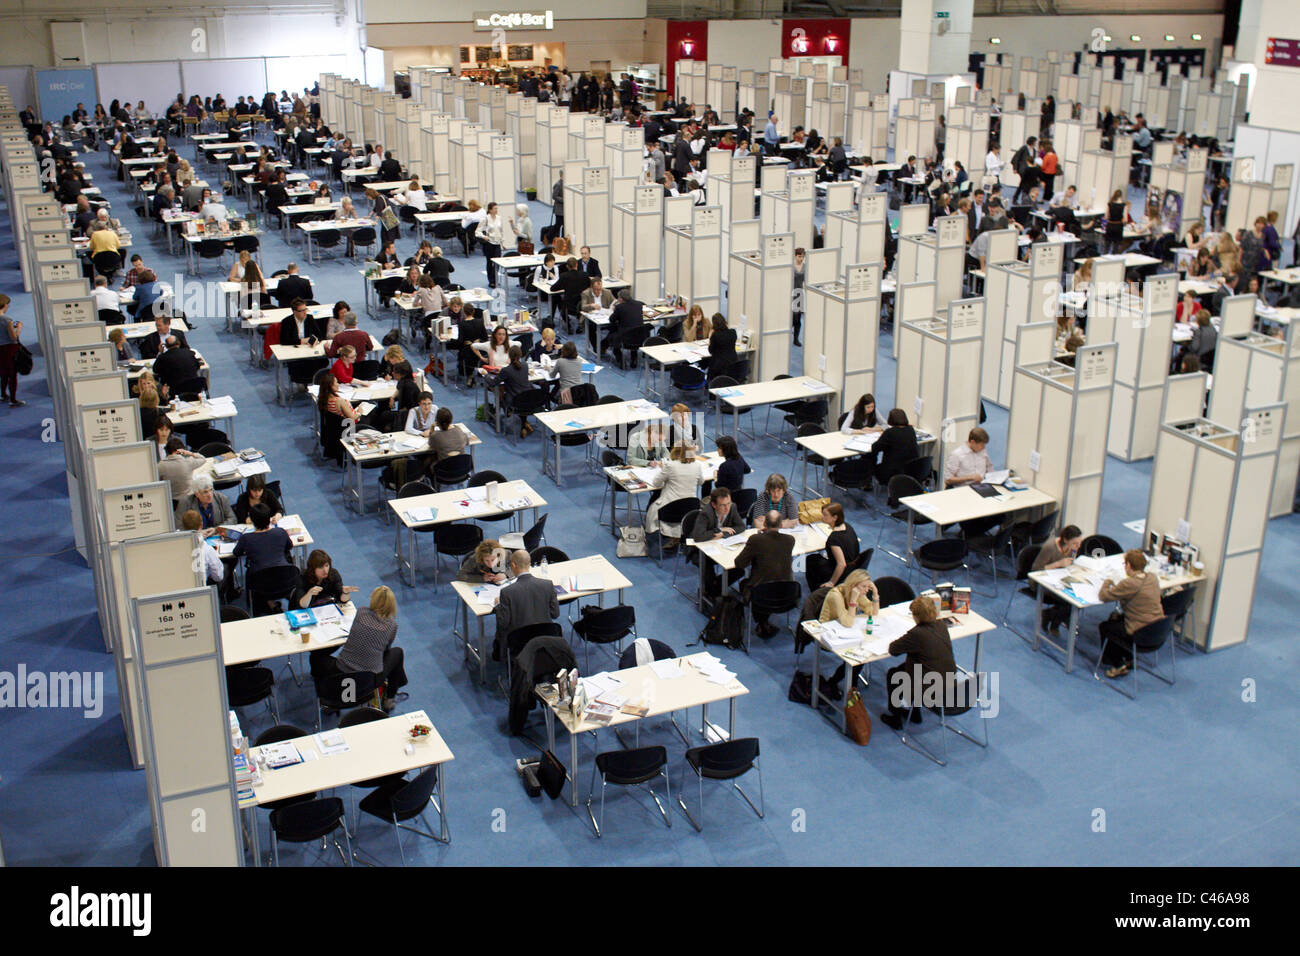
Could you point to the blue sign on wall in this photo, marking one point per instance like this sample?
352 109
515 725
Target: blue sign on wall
59 92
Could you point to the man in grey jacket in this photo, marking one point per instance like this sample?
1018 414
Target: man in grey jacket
528 600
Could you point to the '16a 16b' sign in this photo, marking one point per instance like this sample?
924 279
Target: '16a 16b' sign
1281 52
515 20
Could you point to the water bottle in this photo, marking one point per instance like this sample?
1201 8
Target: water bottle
546 566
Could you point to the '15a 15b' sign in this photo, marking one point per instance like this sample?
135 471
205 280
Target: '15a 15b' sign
1280 52
514 20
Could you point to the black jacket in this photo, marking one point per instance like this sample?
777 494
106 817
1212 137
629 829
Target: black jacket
314 328
767 555
290 288
150 344
537 663
175 367
441 270
896 447
722 350
390 170
590 268
571 284
707 523
627 315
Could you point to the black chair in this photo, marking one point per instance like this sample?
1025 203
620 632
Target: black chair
215 448
605 625
455 540
251 685
107 263
687 379
942 554
660 650
726 381
630 768
110 316
327 239
728 760
1025 559
744 500
453 471
230 613
366 369
921 469
548 554
342 691
278 734
529 541
1177 605
364 238
957 698
1032 532
308 822
611 459
739 370
674 514
528 403
851 474
518 639
248 244
990 546
773 597
1148 639
803 454
267 585
1099 546
397 802
406 214
901 486
809 412
892 590
210 248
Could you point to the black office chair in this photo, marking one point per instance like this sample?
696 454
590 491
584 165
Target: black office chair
1177 605
229 614
214 449
210 248
531 402
366 369
397 802
812 411
630 768
726 381
454 540
942 555
1148 639
327 239
687 379
267 587
339 692
774 597
958 697
605 625
530 540
1025 559
307 823
1032 532
851 474
364 238
110 316
248 244
901 486
892 590
728 760
660 650
990 546
548 554
451 472
1099 546
246 686
739 370
673 514
744 500
107 263
802 454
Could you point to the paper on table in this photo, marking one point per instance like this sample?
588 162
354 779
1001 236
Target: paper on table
1087 592
331 742
997 477
328 612
225 469
250 468
666 670
365 408
889 628
421 515
487 593
862 442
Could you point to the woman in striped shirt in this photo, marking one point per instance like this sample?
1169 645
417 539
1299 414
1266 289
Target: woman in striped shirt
369 647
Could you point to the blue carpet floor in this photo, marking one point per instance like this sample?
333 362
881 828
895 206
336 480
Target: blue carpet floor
1191 774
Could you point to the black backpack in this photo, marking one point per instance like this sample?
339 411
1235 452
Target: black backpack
726 624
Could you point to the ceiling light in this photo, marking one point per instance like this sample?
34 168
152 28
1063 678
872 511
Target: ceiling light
995 40
1136 38
1196 36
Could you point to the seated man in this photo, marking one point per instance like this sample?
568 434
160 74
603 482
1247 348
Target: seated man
718 518
967 465
527 600
628 315
293 286
768 556
176 366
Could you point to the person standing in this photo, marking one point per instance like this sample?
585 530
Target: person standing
796 317
9 332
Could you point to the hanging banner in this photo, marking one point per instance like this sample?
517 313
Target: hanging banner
59 92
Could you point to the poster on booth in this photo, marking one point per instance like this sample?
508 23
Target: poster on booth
59 92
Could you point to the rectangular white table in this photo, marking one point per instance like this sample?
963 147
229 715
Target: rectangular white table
962 503
591 418
758 394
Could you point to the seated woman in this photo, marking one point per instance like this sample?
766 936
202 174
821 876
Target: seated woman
842 549
266 546
647 444
513 383
929 651
486 565
419 420
122 351
369 647
722 347
896 447
682 476
734 468
257 493
495 352
568 371
855 595
320 583
862 419
430 301
445 440
1057 552
1138 594
334 411
211 505
547 345
695 327
776 496
681 430
342 367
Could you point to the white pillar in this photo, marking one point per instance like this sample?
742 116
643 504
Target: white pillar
934 36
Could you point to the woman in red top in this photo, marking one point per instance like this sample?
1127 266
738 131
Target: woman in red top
342 367
1051 164
728 141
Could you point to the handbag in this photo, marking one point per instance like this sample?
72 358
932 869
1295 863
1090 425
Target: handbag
550 774
23 360
524 247
388 218
857 721
810 510
631 542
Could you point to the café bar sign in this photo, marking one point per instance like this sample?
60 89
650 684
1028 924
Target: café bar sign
515 20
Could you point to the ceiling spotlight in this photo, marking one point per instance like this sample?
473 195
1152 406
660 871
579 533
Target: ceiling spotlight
1196 36
995 40
1169 38
1135 37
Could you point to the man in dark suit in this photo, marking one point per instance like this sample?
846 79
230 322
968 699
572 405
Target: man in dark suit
291 286
299 328
570 285
628 314
718 518
390 170
587 265
277 194
162 200
177 366
767 555
471 330
528 600
682 153
152 343
652 130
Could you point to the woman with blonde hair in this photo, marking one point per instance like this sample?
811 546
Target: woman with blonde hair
369 647
682 477
856 595
393 356
486 564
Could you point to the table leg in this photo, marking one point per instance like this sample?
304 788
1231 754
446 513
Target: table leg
482 652
558 472
279 395
412 555
442 802
1071 639
911 530
573 761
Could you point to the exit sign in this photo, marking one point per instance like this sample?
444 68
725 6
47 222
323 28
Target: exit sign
941 14
1281 52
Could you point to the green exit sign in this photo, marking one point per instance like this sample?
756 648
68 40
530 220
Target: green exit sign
941 15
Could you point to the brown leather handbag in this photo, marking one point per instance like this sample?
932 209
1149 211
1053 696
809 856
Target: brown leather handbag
524 247
857 722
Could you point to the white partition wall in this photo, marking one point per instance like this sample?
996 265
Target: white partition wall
587 138
586 207
1259 370
938 257
1056 432
492 108
1249 198
791 209
860 237
690 80
790 104
759 287
869 123
624 155
1016 128
722 90
464 162
521 124
552 148
938 382
1180 186
636 232
496 171
1205 482
829 106
692 256
840 324
968 141
732 191
1101 172
436 136
840 197
1144 339
1016 293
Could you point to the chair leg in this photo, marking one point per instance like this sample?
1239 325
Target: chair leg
699 826
757 809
